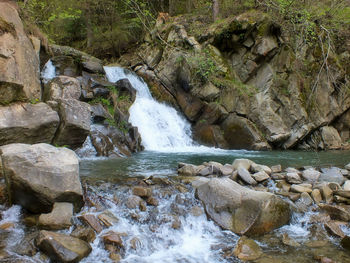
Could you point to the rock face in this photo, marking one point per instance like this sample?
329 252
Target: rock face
62 248
241 210
39 175
62 87
19 63
27 123
254 80
59 218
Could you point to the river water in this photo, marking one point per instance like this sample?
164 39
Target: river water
150 236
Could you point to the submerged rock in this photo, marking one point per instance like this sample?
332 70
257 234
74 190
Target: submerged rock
62 248
39 175
247 249
240 209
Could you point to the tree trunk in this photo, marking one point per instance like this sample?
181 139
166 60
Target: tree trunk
215 9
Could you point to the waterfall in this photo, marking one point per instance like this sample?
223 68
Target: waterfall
161 127
48 72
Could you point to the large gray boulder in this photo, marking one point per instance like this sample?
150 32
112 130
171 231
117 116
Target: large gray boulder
242 210
62 87
39 175
75 123
62 248
27 123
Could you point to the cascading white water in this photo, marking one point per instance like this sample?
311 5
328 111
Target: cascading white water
48 72
161 127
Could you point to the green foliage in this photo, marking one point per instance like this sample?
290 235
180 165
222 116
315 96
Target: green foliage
203 65
232 83
34 101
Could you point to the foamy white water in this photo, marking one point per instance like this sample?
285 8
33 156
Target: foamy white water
48 72
161 127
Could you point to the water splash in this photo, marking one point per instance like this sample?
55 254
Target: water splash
48 72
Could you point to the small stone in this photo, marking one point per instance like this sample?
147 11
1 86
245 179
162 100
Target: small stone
276 168
114 239
108 219
327 194
133 202
7 226
153 201
247 249
293 178
334 186
334 229
59 218
292 170
188 170
143 206
344 172
245 176
142 191
310 175
92 221
332 175
242 163
260 168
345 194
135 243
292 196
289 241
340 199
226 170
260 176
304 202
282 184
196 211
115 257
234 176
347 167
176 224
316 195
300 189
278 176
85 233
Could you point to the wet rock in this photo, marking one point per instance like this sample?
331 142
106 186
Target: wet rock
293 178
85 233
240 209
226 170
196 211
260 176
92 221
115 257
316 243
310 175
292 196
242 163
59 218
316 195
344 172
324 259
300 189
287 240
133 202
176 224
142 191
152 201
334 186
340 199
143 206
336 212
27 246
135 243
247 249
107 218
3 192
345 242
332 175
75 123
276 168
39 175
334 229
27 123
244 174
304 202
61 247
114 239
327 194
7 226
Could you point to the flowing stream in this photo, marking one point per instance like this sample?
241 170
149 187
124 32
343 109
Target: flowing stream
177 230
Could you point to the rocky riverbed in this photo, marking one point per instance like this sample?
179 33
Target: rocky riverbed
208 213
